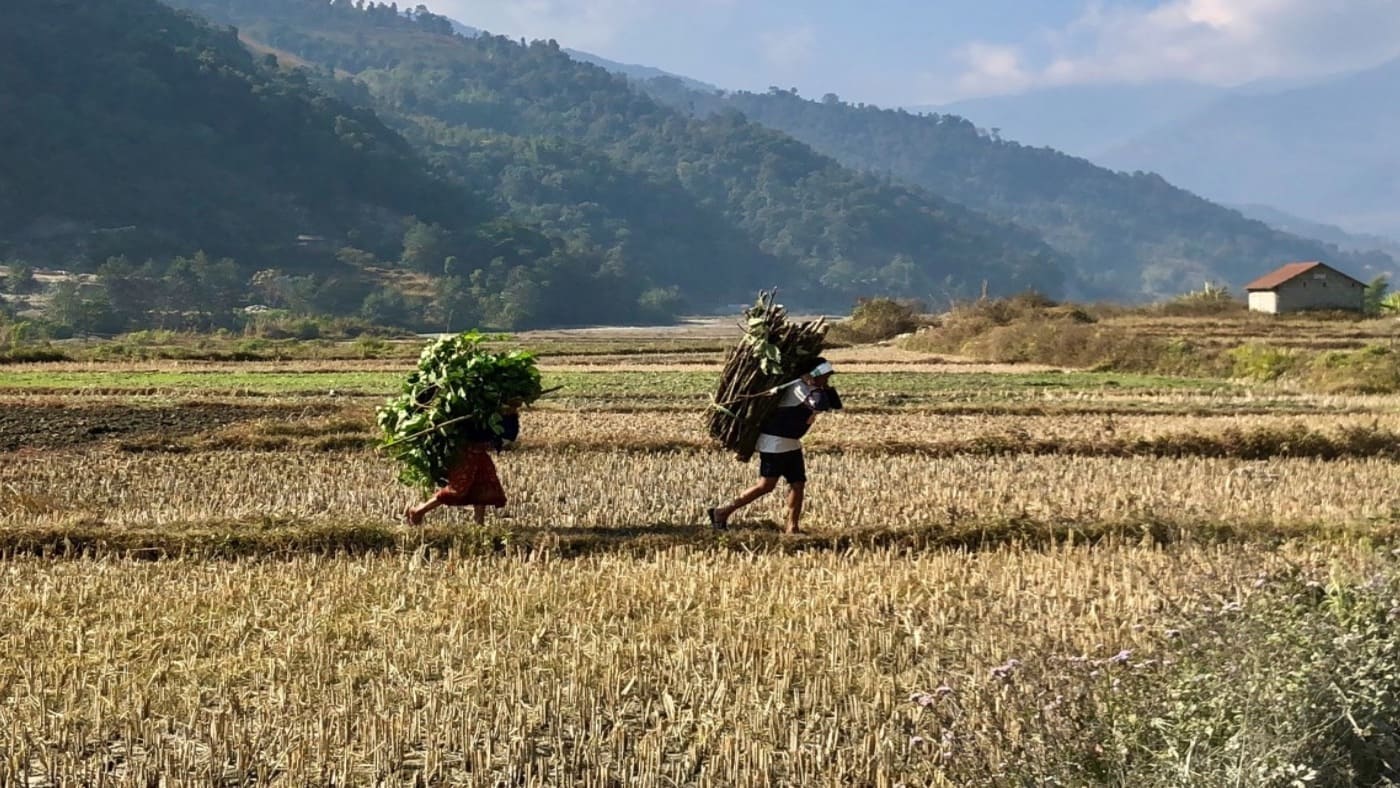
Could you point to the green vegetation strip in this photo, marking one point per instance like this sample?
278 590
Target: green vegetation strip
172 346
621 384
1260 443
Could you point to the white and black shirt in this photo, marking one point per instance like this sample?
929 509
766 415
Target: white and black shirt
801 401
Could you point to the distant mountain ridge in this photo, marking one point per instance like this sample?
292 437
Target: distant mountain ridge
1081 120
700 210
1133 236
1326 150
1332 234
638 73
629 70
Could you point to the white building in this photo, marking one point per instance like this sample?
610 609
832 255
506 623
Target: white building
1301 286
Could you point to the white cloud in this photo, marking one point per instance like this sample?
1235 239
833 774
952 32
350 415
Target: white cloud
574 23
580 24
1222 42
992 68
788 49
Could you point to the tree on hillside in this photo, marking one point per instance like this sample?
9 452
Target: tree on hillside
84 313
20 279
425 247
385 307
1373 298
133 292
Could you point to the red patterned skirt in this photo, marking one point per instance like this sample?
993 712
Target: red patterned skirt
473 480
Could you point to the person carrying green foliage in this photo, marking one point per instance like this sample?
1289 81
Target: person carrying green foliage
458 405
472 479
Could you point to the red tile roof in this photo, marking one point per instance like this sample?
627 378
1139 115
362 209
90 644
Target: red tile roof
1271 280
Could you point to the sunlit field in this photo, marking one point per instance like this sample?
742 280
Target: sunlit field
1008 576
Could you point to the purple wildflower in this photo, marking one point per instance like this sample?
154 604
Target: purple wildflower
1004 672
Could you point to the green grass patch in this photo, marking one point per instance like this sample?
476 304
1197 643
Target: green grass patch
160 345
618 385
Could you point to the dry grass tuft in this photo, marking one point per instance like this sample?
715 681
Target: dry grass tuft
684 668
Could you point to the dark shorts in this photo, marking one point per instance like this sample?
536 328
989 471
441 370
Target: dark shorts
789 465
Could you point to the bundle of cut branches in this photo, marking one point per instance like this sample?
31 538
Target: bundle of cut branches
772 353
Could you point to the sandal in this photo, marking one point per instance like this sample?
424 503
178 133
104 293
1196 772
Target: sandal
714 521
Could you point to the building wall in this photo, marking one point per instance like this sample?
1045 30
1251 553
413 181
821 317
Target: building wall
1319 289
1263 301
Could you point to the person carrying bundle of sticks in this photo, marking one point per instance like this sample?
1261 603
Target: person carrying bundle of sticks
780 444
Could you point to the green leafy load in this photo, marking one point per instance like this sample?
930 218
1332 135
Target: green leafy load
458 388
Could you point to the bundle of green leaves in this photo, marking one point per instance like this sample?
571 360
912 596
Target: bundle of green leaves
459 388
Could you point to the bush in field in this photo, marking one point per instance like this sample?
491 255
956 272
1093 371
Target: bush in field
1211 299
1031 328
14 333
1374 369
1064 341
278 325
1300 685
969 320
23 341
1375 296
1296 684
878 319
1261 362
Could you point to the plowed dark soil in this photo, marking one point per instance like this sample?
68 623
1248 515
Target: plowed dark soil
46 426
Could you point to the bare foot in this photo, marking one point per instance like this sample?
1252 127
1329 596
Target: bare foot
792 529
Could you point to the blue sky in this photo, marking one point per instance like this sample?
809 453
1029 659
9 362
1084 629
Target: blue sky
907 52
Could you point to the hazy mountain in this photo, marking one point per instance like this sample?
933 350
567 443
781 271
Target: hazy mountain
1131 236
629 70
1082 120
1332 234
136 138
673 207
466 31
1327 150
641 73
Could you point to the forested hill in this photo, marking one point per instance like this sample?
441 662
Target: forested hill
714 206
1131 236
136 132
131 128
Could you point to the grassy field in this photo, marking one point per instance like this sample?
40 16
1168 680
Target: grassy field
641 382
1011 575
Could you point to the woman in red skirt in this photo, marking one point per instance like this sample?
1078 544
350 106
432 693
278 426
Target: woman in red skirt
472 480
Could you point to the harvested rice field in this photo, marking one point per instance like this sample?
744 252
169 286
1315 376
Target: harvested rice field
1007 575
